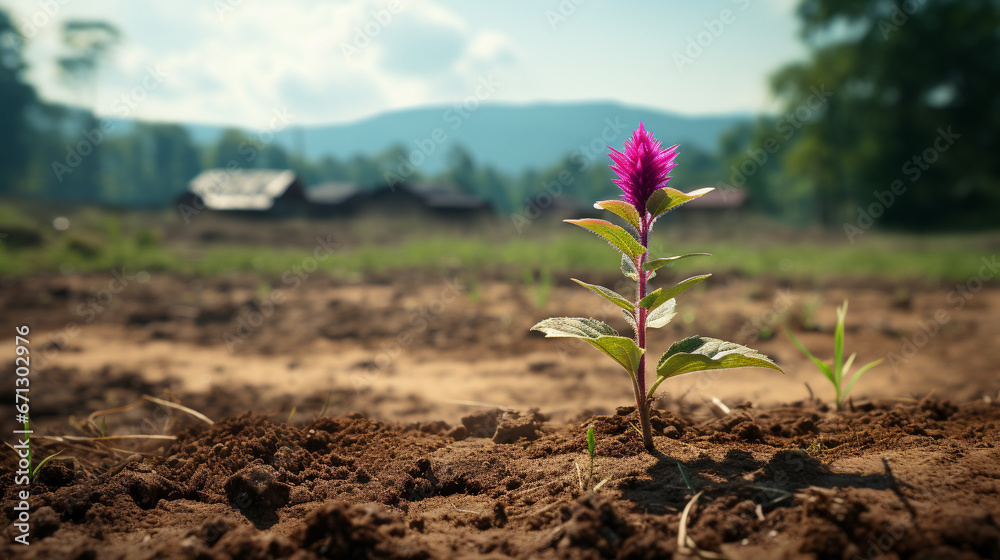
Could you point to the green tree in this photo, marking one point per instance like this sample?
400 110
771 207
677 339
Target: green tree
462 170
273 156
15 98
332 169
89 44
902 76
233 150
149 166
494 187
366 172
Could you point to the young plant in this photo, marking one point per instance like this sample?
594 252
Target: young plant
643 172
591 453
591 446
32 472
838 373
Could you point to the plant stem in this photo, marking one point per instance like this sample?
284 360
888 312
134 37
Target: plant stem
641 402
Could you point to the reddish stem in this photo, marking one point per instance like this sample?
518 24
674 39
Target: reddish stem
640 332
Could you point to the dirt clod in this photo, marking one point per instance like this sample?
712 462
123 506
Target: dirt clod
513 426
256 492
482 424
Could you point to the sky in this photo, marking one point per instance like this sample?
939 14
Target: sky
242 62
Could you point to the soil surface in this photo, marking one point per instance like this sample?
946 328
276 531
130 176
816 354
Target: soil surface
418 418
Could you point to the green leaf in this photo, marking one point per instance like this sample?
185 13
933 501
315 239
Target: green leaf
660 296
574 327
667 199
847 366
838 346
662 315
628 268
599 335
660 263
615 235
610 295
591 444
823 368
857 375
41 464
623 209
621 349
652 298
630 319
700 353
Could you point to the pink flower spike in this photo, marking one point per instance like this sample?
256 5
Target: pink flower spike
643 168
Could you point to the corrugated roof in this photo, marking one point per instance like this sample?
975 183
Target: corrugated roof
241 189
721 197
332 193
441 196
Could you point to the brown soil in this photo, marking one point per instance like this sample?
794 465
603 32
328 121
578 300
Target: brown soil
337 436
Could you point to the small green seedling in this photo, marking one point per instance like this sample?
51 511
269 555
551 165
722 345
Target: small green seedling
32 472
687 481
643 172
38 467
815 448
326 406
591 445
838 373
591 448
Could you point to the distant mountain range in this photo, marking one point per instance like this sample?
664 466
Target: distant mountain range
512 138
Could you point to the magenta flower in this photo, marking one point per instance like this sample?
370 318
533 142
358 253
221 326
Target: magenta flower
643 168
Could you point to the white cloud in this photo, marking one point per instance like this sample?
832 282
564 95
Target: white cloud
324 61
339 61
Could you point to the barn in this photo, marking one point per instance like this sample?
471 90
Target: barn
436 200
260 192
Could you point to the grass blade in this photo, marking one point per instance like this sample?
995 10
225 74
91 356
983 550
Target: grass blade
825 369
838 345
34 472
857 375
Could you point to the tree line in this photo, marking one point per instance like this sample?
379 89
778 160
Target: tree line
893 119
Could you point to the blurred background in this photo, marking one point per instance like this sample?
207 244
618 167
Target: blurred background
210 152
849 116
